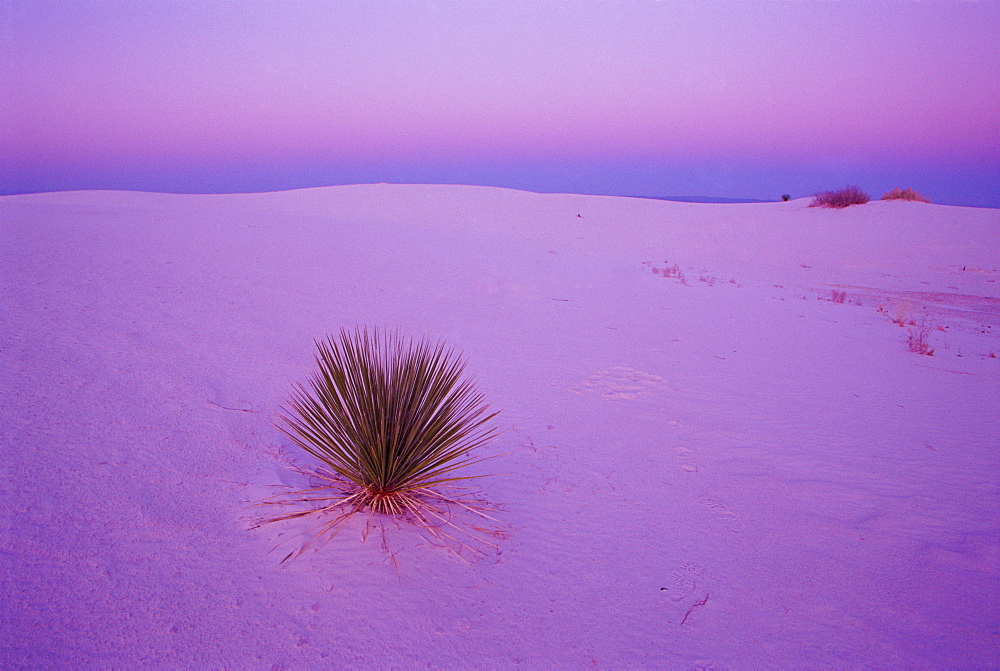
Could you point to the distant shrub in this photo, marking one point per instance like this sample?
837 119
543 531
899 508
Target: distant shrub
850 195
906 194
786 197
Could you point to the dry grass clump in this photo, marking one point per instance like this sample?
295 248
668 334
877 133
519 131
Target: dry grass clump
673 271
906 194
850 195
899 314
916 340
392 421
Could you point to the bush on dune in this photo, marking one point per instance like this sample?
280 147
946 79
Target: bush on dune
391 421
851 195
906 194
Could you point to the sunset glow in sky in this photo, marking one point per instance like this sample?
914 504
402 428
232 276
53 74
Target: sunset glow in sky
727 99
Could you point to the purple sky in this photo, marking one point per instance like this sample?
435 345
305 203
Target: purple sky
727 99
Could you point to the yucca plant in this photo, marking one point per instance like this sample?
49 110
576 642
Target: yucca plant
392 422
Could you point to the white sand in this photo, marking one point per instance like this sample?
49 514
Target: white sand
739 450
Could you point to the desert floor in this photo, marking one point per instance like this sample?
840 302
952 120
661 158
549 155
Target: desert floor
718 450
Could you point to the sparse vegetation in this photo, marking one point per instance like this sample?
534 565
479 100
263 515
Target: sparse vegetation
786 197
850 195
905 194
916 334
391 421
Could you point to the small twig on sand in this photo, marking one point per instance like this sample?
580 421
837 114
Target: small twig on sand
693 606
946 370
532 443
228 408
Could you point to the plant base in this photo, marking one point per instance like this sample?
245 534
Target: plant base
449 517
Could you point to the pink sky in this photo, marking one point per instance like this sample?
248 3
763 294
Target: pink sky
645 98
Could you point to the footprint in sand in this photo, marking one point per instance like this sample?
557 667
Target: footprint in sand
683 581
685 458
620 383
681 586
724 514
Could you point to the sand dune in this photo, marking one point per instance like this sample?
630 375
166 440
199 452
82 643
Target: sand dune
720 451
